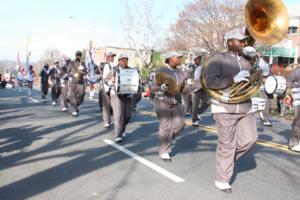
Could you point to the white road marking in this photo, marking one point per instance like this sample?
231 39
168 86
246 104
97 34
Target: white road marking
149 164
34 100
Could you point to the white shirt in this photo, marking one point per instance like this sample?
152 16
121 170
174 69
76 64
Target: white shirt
197 73
106 69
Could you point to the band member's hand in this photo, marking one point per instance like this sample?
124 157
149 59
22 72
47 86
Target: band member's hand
76 75
190 81
113 79
81 68
249 51
241 76
164 87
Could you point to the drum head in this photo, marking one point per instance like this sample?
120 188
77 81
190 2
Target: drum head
270 85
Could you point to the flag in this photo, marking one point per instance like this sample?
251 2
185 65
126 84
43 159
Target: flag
89 61
28 60
51 55
18 59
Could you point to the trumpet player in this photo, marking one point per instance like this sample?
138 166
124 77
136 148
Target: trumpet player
44 76
236 124
54 77
64 79
76 71
168 106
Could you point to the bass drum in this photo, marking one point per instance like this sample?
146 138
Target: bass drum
127 81
275 85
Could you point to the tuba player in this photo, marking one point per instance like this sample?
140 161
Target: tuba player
236 123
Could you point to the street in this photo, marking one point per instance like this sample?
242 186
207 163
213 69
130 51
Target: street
49 155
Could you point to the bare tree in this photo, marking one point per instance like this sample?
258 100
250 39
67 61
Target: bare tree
204 23
141 24
49 56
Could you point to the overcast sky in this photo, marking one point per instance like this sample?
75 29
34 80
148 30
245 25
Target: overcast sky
69 24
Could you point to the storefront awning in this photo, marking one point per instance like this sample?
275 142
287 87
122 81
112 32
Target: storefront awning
280 52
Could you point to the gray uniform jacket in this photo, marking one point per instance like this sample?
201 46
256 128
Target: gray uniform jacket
72 69
167 98
222 68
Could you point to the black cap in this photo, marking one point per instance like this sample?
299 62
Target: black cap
78 53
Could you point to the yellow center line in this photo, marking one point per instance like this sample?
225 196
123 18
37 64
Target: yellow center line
213 130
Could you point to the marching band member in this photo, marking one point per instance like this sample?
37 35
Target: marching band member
76 71
92 82
121 104
20 77
150 80
236 123
54 78
99 75
30 76
44 75
91 67
168 107
293 81
106 88
198 93
64 80
187 97
269 106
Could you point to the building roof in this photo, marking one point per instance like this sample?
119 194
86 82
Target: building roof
122 48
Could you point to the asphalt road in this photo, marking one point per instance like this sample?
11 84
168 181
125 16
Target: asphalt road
49 155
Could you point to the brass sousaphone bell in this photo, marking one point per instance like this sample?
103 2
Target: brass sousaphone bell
267 23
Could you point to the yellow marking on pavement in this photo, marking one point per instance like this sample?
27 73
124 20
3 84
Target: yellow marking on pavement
210 129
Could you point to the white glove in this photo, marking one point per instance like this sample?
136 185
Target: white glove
189 81
81 67
241 76
76 75
249 51
164 87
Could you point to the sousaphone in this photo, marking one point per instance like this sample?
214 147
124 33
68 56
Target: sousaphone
267 23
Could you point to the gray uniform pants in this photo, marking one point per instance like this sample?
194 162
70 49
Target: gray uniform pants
77 95
100 102
44 89
196 97
55 92
171 123
64 96
236 135
106 106
295 137
187 98
122 108
269 105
